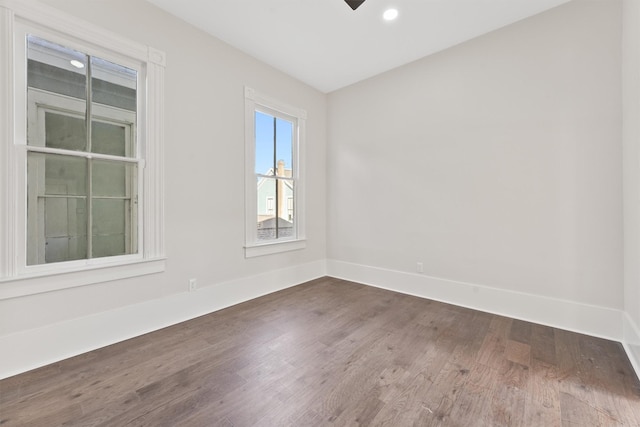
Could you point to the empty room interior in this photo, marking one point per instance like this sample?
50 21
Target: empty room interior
298 212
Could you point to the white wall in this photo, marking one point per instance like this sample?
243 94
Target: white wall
631 169
497 164
204 153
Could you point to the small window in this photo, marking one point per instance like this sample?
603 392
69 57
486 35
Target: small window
274 135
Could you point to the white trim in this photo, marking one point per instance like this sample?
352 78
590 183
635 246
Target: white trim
274 104
7 167
587 319
631 341
152 232
274 248
250 202
26 350
37 283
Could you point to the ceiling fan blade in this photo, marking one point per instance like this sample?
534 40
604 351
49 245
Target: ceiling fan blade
354 4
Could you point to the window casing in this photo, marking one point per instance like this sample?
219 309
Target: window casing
274 175
81 195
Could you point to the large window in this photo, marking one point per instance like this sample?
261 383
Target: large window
82 152
82 157
275 190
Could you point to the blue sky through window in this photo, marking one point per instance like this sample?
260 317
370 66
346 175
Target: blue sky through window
264 142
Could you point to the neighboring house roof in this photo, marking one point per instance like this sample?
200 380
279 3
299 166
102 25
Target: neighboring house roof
287 174
270 223
289 184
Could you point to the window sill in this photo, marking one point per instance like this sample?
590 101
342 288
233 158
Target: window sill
36 283
273 248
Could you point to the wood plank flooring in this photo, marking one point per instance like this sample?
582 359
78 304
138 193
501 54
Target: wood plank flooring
336 353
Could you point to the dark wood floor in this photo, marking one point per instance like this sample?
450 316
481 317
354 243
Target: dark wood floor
331 352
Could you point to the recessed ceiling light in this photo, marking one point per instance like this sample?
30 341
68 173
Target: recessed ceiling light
76 63
390 14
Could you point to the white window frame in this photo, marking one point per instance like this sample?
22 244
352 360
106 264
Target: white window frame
17 19
255 101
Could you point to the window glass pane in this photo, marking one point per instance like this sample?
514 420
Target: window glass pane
264 143
64 131
266 209
51 70
275 200
55 68
284 147
56 208
113 208
113 84
286 226
65 226
113 179
111 229
52 174
107 138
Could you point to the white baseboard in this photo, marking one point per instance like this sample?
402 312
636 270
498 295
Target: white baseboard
34 348
587 319
631 342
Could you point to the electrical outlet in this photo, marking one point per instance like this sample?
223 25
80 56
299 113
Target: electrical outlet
193 285
419 267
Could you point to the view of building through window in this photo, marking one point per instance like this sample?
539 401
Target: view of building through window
274 142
